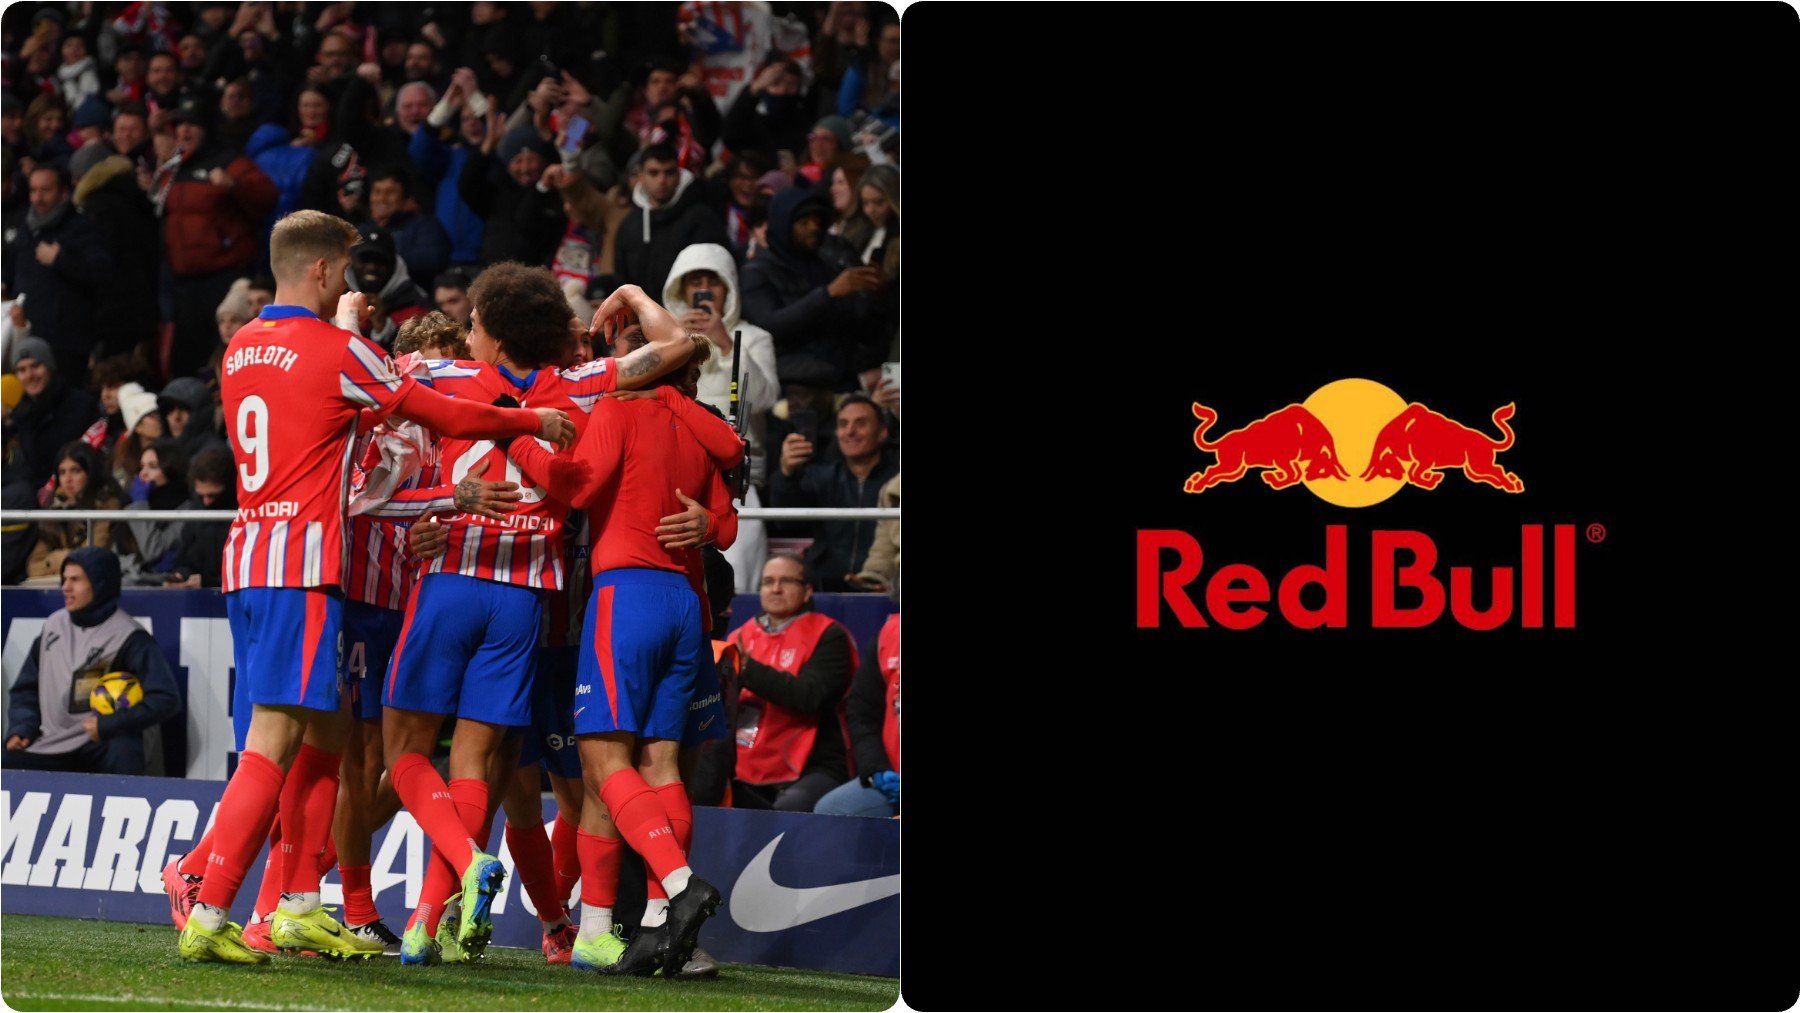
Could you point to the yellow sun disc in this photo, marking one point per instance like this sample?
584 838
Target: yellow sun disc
1354 410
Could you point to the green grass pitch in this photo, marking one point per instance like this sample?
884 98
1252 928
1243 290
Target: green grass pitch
69 964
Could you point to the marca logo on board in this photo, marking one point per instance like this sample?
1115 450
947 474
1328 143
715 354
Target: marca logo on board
1357 443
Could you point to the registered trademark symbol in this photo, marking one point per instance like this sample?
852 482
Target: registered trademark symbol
1596 533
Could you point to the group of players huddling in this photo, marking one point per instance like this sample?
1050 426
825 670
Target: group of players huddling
352 646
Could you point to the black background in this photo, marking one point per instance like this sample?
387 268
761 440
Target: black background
1586 210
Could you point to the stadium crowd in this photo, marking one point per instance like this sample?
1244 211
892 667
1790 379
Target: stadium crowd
737 161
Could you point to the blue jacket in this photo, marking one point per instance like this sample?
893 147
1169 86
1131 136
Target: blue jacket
441 164
281 162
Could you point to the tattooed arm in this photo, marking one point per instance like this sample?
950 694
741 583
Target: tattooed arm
669 346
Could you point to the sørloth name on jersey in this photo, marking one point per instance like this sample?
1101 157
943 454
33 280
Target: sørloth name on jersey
278 356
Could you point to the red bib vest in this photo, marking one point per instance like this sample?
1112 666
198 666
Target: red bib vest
888 648
773 747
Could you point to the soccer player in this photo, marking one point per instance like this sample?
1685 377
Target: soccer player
468 644
293 388
643 631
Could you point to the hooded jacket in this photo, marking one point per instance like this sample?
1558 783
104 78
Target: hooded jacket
63 295
46 422
199 435
285 164
819 340
109 197
759 385
420 242
649 239
93 641
210 228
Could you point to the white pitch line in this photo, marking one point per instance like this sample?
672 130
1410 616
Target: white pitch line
183 1001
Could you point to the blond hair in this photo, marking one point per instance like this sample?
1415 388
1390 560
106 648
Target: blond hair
302 237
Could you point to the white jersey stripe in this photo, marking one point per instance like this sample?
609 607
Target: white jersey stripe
555 567
355 393
471 552
229 565
277 555
503 551
372 576
249 552
378 366
534 573
313 569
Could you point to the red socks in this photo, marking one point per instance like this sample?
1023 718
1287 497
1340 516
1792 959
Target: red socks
567 857
441 879
268 895
359 899
428 798
638 813
536 869
307 801
245 812
194 862
675 802
600 858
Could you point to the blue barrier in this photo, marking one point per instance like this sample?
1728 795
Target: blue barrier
818 892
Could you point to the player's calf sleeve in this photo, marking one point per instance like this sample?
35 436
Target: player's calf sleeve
245 812
307 802
639 815
268 894
567 856
471 795
600 858
328 857
428 798
194 862
359 899
441 883
536 869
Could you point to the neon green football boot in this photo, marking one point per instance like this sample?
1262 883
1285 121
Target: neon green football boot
318 931
224 945
418 948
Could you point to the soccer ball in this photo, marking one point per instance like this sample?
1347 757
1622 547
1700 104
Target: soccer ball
116 692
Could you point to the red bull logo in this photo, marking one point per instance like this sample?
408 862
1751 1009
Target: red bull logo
1354 427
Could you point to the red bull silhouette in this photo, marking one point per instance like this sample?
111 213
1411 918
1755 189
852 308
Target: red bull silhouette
1419 443
1280 440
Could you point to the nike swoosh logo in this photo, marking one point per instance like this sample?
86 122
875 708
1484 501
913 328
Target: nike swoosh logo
578 711
708 721
759 904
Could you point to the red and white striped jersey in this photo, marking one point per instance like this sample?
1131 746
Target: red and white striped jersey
526 548
382 567
292 386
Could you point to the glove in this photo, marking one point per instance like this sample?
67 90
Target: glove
505 401
140 489
888 783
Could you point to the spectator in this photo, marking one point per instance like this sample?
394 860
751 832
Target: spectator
131 138
702 293
726 42
452 296
412 104
871 234
443 162
79 76
735 194
853 478
233 313
419 240
237 118
108 196
795 668
109 377
421 64
768 116
143 427
51 413
40 53
82 483
828 139
167 87
215 203
46 123
92 121
260 293
881 571
201 547
873 714
61 262
128 73
12 122
524 222
186 407
161 485
51 725
843 174
672 218
824 333
286 155
873 85
383 274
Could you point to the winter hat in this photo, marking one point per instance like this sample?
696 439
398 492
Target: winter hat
184 392
775 180
92 112
34 348
91 154
525 136
838 126
134 403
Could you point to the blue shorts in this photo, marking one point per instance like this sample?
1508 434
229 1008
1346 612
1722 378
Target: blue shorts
468 647
551 737
285 642
706 711
642 654
370 632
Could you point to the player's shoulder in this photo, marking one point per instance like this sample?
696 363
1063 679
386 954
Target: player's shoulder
447 374
586 370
